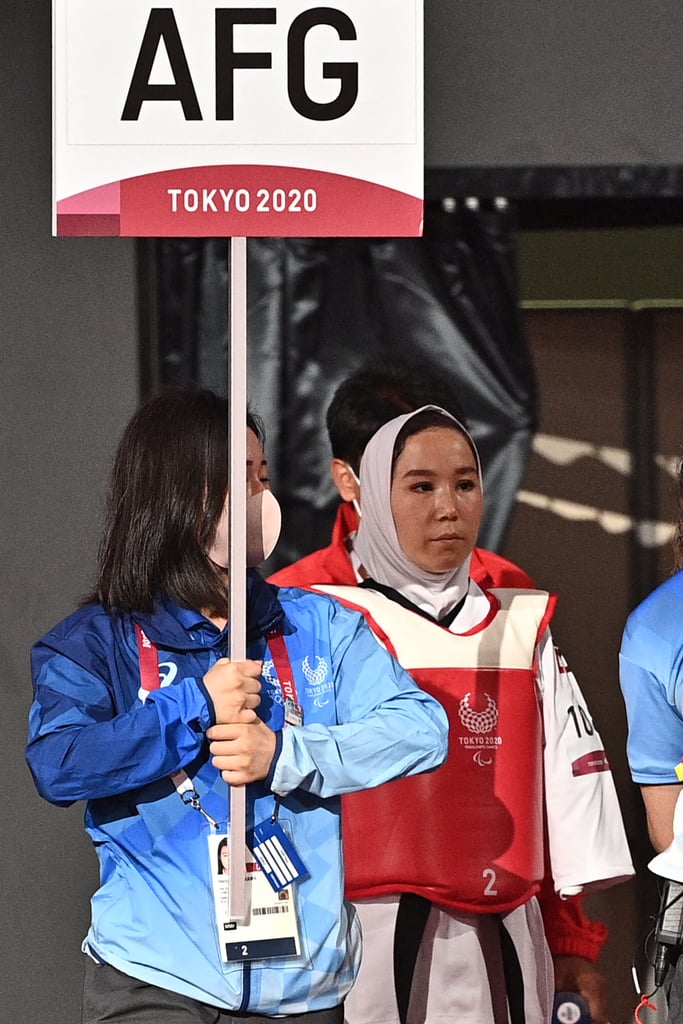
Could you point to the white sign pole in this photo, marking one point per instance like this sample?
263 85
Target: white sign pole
237 390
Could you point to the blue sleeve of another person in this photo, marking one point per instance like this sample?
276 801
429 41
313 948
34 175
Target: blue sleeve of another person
651 677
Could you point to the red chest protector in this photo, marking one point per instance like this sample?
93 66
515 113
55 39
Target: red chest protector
468 836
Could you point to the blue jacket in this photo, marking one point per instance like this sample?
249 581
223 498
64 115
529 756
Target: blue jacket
92 738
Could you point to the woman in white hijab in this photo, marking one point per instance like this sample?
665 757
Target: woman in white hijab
444 868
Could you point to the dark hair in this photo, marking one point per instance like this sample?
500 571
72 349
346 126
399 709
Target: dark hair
221 846
166 495
378 391
423 421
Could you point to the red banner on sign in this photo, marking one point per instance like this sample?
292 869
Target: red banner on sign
246 200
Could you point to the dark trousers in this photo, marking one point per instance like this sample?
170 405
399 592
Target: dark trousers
673 988
115 998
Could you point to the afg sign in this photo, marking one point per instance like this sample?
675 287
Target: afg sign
204 118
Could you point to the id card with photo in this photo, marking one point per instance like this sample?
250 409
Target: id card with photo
270 928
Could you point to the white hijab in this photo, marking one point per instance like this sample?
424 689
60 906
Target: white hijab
377 543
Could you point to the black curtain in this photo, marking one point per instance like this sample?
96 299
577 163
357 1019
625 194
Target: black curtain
319 307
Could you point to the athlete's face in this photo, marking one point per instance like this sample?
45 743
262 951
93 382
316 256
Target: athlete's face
436 499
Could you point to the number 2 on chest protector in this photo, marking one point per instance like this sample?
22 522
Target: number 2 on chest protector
489 888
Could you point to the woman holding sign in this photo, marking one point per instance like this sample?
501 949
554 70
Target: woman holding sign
138 711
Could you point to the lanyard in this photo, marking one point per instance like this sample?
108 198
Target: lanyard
294 713
283 667
148 653
149 661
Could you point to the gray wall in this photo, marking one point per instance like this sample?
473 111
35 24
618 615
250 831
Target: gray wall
538 82
68 381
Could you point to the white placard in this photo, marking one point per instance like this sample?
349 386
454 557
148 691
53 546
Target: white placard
238 118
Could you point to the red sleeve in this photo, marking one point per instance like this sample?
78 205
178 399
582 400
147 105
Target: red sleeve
568 931
304 573
491 570
327 565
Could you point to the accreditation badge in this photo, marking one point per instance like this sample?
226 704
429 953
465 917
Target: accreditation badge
276 855
270 928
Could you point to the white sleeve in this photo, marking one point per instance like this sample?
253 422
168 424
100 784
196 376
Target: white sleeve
587 841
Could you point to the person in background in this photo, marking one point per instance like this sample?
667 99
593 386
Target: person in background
373 394
138 711
369 397
651 678
444 869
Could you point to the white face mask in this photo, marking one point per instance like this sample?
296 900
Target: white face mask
264 520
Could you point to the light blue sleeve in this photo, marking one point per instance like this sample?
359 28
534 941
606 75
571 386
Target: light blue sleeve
387 727
652 685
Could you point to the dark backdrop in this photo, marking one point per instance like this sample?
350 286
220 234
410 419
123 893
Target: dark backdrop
318 307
